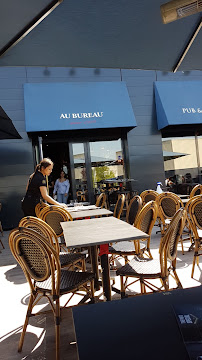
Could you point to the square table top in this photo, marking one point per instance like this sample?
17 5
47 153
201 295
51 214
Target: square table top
90 232
135 319
90 213
82 208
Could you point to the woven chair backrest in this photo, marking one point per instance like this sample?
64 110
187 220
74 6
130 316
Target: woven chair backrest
147 217
42 228
168 204
40 206
101 200
53 216
197 190
148 195
35 255
195 214
119 206
133 209
169 242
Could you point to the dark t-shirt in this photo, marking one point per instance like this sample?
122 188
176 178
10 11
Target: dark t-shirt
33 194
34 184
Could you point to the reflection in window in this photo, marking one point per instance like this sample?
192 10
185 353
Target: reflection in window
106 162
80 172
180 162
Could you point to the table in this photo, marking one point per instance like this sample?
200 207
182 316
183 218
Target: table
142 327
183 196
185 200
82 208
90 213
99 231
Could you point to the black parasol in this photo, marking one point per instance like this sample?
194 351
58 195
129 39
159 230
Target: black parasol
7 129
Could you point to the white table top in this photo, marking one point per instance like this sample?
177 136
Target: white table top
81 208
185 200
90 213
99 231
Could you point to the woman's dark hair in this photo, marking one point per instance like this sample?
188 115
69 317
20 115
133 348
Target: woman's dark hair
44 163
65 175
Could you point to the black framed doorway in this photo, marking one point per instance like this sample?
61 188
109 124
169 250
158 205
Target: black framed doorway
86 159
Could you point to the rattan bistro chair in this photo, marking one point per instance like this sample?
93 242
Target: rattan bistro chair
101 200
119 206
148 195
197 190
40 263
53 216
67 260
195 216
133 209
144 221
144 270
127 248
39 207
168 203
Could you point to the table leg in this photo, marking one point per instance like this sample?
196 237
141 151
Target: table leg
105 276
94 263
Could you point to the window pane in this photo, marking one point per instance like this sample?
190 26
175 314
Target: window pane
180 162
106 160
80 172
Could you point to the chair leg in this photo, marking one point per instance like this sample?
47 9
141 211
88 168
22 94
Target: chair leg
92 292
181 240
57 329
123 294
2 244
142 287
29 311
1 229
193 266
194 259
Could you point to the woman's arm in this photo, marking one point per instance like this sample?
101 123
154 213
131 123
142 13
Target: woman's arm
55 187
67 186
48 198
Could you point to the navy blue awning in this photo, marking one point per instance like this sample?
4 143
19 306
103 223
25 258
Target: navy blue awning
71 106
178 102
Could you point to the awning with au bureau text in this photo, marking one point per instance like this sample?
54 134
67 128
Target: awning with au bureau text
72 106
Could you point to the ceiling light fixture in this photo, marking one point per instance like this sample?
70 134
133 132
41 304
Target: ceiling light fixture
177 9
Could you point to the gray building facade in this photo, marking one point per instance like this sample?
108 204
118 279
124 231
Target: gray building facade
144 141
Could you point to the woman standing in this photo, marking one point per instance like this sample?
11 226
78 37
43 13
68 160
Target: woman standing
37 188
62 188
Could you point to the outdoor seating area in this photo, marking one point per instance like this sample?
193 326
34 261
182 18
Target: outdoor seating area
85 255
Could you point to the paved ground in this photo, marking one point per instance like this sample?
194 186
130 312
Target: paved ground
39 340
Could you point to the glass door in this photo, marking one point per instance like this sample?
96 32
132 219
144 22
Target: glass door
95 167
107 168
80 172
